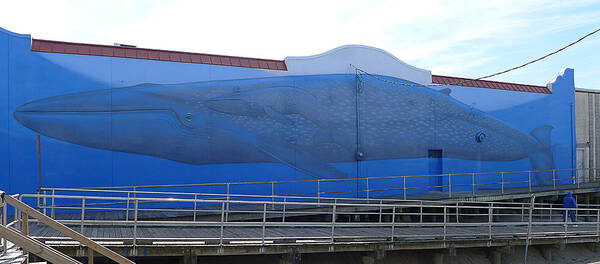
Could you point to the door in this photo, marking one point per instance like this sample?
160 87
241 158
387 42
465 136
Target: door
582 158
435 167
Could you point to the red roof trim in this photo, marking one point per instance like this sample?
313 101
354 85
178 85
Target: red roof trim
51 46
439 79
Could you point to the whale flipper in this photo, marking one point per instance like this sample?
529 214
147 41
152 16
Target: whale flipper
299 159
445 91
277 116
542 158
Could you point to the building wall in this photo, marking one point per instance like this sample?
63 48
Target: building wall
587 104
108 121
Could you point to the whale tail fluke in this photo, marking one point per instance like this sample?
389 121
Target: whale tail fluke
542 159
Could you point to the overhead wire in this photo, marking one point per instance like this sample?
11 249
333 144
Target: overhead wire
486 76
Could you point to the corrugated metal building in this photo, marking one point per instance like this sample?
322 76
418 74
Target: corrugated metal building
587 107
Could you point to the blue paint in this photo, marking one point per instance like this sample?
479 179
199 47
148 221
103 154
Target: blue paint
116 121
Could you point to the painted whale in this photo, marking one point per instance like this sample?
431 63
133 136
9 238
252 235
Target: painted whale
306 122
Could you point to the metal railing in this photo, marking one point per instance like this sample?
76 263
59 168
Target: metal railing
231 222
18 230
455 184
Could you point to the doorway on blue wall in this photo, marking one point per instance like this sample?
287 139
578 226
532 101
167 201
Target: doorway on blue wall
435 167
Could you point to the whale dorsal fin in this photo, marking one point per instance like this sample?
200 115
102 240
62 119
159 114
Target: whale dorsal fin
445 91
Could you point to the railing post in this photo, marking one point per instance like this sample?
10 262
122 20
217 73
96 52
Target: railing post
404 186
333 211
319 192
44 202
127 210
367 190
473 183
284 203
90 255
82 214
52 209
4 223
449 185
227 191
421 212
380 209
444 238
393 222
272 195
457 212
222 223
195 204
25 230
135 220
502 181
529 180
554 179
597 223
264 222
490 218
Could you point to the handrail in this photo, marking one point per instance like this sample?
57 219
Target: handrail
451 185
266 215
29 211
33 246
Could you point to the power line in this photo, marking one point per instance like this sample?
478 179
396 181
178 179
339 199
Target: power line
486 76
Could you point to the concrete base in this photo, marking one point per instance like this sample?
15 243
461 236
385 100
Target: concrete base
547 253
495 257
438 258
291 258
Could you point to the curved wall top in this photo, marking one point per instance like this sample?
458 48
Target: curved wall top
13 34
370 59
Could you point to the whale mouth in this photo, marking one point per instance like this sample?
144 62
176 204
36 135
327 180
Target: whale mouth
93 104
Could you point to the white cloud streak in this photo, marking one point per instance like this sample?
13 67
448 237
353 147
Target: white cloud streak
465 38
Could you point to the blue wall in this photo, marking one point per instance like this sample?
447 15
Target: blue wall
255 125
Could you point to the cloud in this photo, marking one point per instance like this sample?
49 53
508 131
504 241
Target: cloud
465 38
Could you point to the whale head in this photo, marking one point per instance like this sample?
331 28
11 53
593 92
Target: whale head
143 119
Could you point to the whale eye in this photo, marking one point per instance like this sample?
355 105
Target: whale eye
189 116
480 137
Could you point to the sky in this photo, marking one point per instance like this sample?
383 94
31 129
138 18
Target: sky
456 38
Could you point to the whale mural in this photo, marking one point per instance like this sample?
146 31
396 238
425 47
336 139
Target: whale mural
305 122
